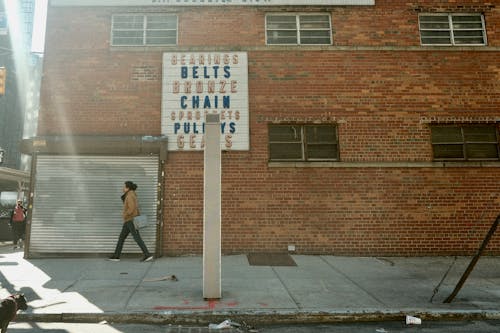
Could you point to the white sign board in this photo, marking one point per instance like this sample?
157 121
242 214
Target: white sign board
200 83
212 2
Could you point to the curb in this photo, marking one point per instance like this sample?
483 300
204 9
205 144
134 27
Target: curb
257 318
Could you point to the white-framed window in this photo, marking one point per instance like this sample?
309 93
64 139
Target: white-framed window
452 29
143 30
298 29
303 143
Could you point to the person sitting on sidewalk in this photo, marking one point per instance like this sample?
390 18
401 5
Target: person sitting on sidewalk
18 224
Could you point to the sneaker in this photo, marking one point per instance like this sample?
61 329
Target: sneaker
149 257
114 258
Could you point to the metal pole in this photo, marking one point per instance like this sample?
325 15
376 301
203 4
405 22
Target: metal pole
473 261
212 209
31 200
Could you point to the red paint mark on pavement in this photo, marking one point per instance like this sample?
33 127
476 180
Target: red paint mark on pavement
160 307
210 305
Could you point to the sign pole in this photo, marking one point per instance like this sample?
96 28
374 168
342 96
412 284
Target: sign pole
212 209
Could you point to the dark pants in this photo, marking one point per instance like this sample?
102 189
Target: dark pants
18 231
128 227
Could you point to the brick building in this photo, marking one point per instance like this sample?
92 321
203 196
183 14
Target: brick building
349 127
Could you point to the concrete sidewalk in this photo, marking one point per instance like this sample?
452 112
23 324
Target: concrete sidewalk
318 289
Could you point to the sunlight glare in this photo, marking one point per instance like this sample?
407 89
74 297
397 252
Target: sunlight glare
38 41
18 42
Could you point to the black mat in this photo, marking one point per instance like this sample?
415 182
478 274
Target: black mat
270 259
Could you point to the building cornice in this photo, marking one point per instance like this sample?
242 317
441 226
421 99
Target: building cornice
125 3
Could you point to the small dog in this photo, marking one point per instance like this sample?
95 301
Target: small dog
8 309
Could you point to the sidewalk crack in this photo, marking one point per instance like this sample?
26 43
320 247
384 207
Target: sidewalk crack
137 286
352 281
297 303
80 278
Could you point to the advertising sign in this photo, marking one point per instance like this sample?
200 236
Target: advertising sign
199 83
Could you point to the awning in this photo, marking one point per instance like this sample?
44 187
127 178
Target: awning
96 145
12 179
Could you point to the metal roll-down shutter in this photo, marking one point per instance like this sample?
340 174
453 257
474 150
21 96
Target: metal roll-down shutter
77 206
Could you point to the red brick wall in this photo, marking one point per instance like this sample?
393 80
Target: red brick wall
380 95
360 211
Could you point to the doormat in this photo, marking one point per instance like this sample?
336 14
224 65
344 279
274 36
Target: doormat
270 259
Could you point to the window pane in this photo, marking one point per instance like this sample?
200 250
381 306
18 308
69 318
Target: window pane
315 41
469 33
434 18
315 29
127 41
281 22
161 37
480 134
436 41
468 29
283 34
434 26
285 134
482 151
434 22
446 134
469 41
321 134
468 26
322 151
315 37
285 151
285 142
436 34
448 151
469 37
161 22
128 38
436 37
466 18
161 41
457 19
128 34
281 29
128 22
314 22
276 38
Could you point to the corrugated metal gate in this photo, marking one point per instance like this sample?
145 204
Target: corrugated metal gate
77 206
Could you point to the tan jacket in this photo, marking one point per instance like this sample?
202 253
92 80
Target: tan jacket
130 206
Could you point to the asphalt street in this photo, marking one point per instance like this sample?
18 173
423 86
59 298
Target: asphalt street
377 327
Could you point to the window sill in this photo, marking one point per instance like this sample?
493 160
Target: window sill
447 164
